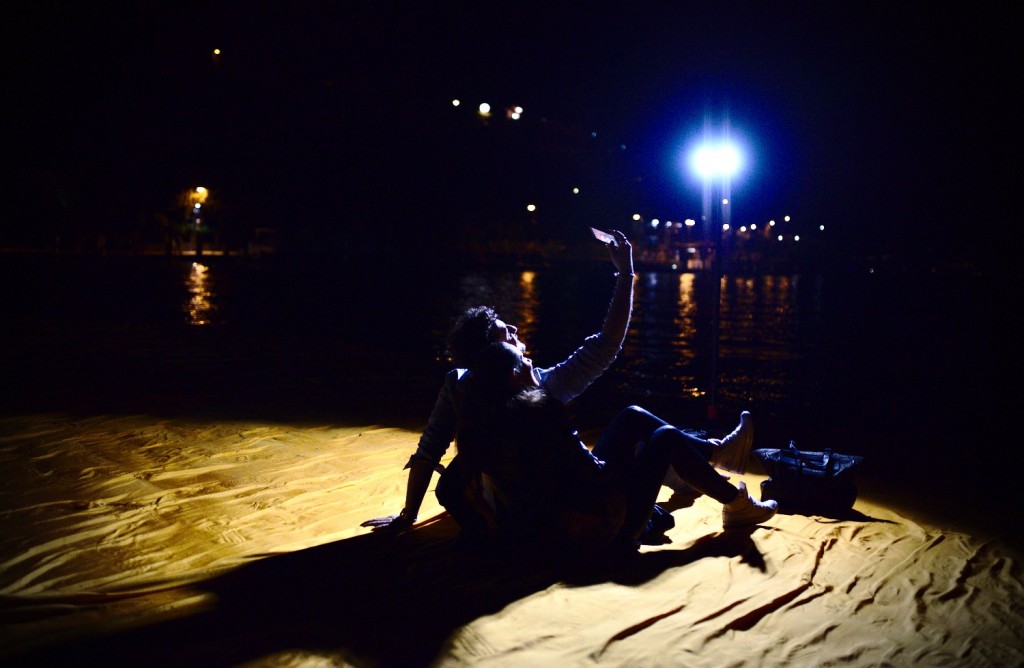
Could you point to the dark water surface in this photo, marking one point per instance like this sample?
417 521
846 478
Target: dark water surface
914 371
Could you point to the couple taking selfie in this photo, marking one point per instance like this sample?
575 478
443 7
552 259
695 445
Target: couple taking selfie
522 477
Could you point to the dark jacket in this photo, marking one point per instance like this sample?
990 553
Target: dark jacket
547 485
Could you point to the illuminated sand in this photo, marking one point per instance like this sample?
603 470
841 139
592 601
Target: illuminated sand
134 540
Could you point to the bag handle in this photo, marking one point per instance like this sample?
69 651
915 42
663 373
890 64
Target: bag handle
793 453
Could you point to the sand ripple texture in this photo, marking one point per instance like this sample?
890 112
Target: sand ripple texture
100 510
115 524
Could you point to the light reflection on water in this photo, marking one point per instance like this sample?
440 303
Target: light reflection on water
527 314
200 305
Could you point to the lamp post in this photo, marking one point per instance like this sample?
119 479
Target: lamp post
715 161
196 199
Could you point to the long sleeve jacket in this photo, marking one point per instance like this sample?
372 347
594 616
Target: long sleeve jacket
564 381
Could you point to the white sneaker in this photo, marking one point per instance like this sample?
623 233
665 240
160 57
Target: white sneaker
745 511
732 452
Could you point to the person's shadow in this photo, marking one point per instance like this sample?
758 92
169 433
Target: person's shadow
380 599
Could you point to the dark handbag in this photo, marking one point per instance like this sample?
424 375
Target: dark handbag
809 483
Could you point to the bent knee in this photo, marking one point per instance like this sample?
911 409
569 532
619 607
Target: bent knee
664 432
634 411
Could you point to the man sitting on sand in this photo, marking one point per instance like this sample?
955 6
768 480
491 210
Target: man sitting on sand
472 333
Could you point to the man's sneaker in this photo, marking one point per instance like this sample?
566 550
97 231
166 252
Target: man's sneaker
745 511
732 452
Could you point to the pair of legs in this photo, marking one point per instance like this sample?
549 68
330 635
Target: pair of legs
639 447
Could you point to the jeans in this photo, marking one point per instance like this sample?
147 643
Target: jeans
638 447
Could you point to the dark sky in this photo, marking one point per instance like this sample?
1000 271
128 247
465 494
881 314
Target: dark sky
890 122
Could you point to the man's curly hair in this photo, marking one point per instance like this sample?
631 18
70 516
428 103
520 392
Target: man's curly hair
470 335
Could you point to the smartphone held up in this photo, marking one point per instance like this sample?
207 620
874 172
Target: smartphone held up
601 236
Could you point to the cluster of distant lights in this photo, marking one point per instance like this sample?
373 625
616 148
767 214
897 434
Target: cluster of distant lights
743 229
484 109
514 113
709 160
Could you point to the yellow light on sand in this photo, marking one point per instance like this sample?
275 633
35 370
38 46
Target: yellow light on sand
531 207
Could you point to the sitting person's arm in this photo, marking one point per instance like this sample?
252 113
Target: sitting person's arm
568 379
433 443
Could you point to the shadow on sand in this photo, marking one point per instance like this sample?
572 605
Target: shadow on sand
377 599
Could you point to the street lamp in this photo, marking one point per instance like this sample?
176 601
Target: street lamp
715 161
196 200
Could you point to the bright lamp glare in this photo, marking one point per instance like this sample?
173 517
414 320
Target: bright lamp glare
716 160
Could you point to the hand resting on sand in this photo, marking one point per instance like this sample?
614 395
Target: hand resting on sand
397 522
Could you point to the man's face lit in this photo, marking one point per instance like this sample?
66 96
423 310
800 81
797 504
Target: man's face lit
502 332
